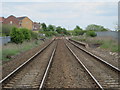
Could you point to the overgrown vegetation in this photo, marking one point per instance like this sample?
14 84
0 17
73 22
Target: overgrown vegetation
18 35
52 30
94 27
12 49
91 33
26 33
108 44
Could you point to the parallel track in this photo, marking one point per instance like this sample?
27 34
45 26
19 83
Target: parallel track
18 69
42 82
98 58
94 81
111 67
47 69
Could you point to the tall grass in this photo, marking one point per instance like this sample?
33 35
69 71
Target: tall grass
12 49
111 45
105 43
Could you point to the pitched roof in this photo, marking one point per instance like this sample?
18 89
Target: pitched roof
2 19
20 18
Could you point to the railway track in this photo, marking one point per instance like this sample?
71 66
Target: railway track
55 65
66 72
105 74
103 59
29 74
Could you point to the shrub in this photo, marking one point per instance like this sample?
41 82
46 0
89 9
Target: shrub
26 33
16 35
48 34
78 32
91 33
34 35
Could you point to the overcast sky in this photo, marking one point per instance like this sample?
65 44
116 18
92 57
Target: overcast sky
67 14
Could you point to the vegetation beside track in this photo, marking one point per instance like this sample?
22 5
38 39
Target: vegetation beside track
103 42
12 49
23 39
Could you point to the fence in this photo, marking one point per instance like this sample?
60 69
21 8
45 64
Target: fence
4 40
108 33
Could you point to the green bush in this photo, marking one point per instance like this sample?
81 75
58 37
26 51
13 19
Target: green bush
78 32
16 35
34 35
48 34
91 33
26 33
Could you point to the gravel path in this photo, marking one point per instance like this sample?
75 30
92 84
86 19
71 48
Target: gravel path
107 77
66 72
13 64
31 75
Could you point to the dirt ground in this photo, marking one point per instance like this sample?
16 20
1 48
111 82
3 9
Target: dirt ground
9 66
66 72
106 77
31 75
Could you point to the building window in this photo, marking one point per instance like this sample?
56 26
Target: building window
10 22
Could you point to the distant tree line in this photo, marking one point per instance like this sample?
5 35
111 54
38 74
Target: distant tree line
18 35
89 30
51 30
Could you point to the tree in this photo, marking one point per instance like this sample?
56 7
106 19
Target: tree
59 30
26 33
16 35
91 33
77 28
44 27
50 28
78 31
94 27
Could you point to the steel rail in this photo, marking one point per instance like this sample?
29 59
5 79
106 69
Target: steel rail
98 58
81 43
98 84
18 68
47 69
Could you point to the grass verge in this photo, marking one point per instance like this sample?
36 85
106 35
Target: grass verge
105 43
12 49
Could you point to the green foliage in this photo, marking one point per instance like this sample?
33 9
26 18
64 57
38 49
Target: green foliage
50 33
6 29
110 44
59 30
77 28
94 27
12 49
50 28
77 31
44 27
62 31
16 35
34 35
91 33
26 33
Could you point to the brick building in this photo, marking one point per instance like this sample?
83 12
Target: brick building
21 22
11 20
